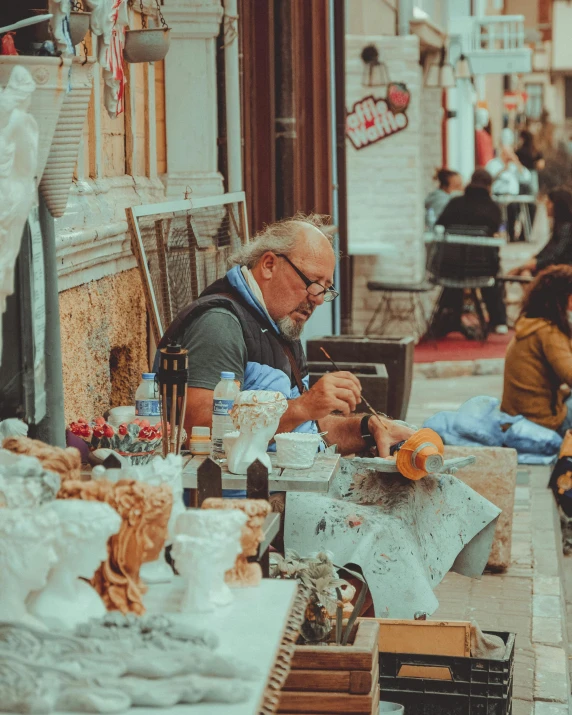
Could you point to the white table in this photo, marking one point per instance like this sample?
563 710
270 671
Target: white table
251 628
316 479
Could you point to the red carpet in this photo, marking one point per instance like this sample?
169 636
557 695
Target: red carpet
457 347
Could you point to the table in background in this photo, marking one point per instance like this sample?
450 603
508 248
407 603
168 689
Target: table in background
523 201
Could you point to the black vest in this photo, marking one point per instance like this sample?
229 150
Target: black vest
263 346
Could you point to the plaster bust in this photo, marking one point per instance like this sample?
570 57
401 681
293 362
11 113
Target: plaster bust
24 482
205 547
26 557
81 547
256 413
144 510
244 573
65 462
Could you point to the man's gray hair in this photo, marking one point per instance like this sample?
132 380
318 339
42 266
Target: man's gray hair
280 237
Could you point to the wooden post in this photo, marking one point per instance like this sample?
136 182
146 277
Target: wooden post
257 481
257 488
209 481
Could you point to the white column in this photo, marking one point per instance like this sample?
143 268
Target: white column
191 98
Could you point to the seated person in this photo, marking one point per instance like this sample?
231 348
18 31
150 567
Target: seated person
558 250
539 358
250 321
508 174
476 208
450 184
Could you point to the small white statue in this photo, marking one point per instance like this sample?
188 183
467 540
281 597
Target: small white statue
205 547
12 427
256 413
26 556
157 471
24 483
81 546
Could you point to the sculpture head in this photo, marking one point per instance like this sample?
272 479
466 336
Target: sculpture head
85 528
257 409
24 482
255 511
65 462
209 522
144 510
26 549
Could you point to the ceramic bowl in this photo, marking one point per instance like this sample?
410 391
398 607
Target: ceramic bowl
149 45
229 440
296 450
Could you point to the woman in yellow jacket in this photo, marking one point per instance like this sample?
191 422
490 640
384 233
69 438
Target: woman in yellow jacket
538 363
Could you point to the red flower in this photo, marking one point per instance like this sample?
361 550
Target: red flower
100 421
122 429
145 423
108 430
80 429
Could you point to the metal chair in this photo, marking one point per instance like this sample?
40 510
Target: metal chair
393 308
465 259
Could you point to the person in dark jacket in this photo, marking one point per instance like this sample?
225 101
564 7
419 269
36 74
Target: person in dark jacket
558 250
477 209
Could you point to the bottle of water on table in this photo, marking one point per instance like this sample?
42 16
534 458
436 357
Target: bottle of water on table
225 394
147 402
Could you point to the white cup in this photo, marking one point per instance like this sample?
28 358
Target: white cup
391 708
296 450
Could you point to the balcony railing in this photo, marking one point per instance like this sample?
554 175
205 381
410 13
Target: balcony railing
494 45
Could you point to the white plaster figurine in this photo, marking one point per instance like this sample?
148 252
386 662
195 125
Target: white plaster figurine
18 166
24 482
81 545
158 471
26 557
205 547
256 413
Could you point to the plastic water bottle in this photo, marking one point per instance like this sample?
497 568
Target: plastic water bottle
147 403
225 394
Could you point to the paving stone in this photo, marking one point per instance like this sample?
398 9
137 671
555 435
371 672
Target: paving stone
521 707
547 630
546 585
494 477
541 708
550 679
546 606
546 562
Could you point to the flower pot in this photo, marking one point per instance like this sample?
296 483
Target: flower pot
58 174
51 75
150 45
296 450
79 25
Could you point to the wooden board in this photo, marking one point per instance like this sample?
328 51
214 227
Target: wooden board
424 637
358 656
316 479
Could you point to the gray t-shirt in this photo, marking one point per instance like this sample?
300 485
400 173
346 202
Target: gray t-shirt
215 343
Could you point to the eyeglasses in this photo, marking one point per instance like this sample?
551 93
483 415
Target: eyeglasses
313 288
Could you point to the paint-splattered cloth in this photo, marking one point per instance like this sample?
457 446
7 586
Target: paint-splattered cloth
404 535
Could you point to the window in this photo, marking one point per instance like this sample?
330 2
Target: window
535 100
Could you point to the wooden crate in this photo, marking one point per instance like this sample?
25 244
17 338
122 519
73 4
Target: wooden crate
335 679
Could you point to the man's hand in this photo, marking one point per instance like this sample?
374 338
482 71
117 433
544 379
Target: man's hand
335 392
387 434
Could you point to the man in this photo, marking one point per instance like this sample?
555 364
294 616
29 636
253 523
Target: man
250 322
477 209
508 174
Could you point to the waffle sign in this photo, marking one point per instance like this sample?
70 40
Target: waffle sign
372 120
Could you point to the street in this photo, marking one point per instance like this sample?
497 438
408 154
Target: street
533 598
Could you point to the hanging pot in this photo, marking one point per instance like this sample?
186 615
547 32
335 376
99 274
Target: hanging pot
79 25
148 45
58 174
51 75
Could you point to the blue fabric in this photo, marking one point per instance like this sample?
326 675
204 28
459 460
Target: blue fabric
567 424
480 422
238 282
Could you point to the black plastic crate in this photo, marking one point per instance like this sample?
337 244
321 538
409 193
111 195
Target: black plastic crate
479 686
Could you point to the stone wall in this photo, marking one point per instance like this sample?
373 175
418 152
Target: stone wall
387 181
104 343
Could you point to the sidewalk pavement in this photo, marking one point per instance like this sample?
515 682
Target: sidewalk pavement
528 599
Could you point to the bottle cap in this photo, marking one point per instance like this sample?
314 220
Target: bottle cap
227 375
148 375
201 432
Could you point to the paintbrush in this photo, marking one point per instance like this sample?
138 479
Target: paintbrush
367 404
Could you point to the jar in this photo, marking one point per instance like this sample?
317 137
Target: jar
200 442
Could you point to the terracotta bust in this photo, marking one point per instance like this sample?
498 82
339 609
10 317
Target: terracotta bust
245 573
145 510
